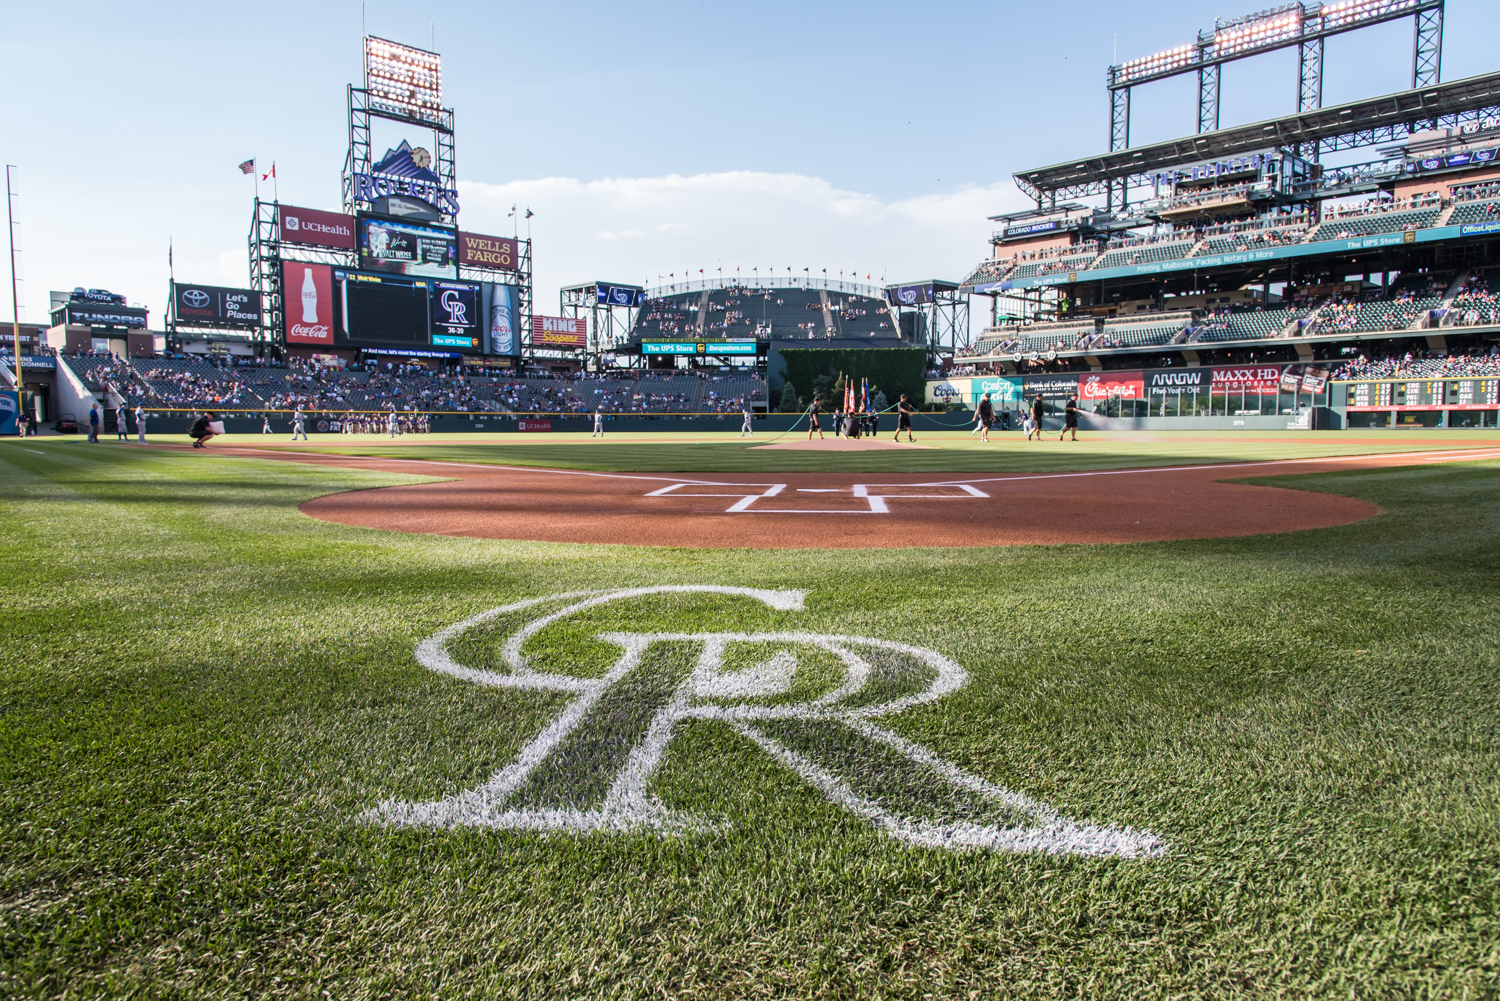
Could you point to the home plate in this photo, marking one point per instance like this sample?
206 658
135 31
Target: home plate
840 445
858 498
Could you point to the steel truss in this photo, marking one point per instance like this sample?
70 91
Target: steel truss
266 255
359 159
1208 97
1373 121
609 325
1304 25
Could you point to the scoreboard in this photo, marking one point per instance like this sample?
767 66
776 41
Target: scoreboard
404 311
1425 394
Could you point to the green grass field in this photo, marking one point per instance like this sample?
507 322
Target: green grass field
206 697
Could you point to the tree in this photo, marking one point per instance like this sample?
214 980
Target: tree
789 404
879 402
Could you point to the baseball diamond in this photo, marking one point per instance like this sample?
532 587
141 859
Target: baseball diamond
1057 583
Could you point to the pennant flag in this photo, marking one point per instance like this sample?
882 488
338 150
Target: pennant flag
248 167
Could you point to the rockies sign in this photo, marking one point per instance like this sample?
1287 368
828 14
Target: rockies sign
816 703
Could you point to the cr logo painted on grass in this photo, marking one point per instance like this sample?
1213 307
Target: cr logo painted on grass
591 767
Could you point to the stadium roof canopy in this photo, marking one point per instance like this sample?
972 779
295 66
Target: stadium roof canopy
1345 126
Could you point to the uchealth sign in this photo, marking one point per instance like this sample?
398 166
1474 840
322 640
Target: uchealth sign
525 425
480 251
1109 385
307 302
315 228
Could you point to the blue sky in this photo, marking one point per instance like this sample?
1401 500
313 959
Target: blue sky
648 138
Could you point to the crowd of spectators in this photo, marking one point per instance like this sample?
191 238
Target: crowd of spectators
1432 365
1475 303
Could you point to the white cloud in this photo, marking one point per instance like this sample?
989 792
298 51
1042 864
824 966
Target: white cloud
633 229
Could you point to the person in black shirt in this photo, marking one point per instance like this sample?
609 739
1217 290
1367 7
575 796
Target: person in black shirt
812 421
1070 419
984 415
200 431
903 419
1037 409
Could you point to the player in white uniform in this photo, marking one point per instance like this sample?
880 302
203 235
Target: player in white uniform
598 423
745 428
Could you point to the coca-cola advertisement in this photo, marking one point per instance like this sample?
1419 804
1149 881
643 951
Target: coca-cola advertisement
1107 385
307 302
315 228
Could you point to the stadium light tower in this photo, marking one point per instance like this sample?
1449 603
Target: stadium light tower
402 84
1305 25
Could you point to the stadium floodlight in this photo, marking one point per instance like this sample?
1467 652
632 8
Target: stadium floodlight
1289 24
403 79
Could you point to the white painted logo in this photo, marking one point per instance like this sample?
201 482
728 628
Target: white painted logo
590 768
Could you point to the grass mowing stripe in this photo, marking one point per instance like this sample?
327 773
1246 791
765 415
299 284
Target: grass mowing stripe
201 690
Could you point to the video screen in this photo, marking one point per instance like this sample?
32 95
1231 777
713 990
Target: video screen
408 248
394 311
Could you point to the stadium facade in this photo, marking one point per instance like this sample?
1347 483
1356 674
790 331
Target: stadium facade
1226 277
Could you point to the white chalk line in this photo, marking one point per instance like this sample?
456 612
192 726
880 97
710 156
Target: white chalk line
629 806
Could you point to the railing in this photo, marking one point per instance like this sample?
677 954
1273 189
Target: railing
806 283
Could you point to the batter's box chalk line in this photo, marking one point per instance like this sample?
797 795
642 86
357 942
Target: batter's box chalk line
871 497
574 776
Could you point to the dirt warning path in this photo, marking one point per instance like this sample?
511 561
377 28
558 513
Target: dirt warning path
852 511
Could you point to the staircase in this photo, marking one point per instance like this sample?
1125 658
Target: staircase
827 314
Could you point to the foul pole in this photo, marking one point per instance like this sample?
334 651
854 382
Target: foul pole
15 302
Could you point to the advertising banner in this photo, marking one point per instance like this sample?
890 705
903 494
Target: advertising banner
317 229
619 295
698 347
910 295
457 317
408 248
501 305
1105 385
1005 393
1177 380
476 250
1314 378
558 332
533 425
10 411
215 306
1247 379
1057 386
307 302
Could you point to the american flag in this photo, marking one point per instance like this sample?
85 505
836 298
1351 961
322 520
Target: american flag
248 167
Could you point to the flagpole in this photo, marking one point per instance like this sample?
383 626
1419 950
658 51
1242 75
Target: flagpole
15 304
275 186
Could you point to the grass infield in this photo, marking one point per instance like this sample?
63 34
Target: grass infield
203 692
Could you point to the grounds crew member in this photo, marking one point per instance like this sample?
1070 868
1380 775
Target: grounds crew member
903 419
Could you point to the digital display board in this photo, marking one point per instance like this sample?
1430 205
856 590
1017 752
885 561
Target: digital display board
215 306
501 308
382 309
405 247
457 316
697 347
315 228
307 294
1370 396
387 311
619 295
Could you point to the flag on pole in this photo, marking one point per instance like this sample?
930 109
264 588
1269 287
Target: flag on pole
248 167
529 213
270 174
